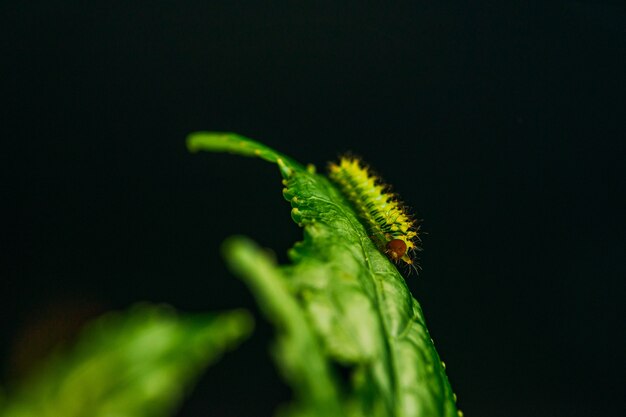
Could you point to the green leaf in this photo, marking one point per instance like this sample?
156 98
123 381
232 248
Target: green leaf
139 363
341 303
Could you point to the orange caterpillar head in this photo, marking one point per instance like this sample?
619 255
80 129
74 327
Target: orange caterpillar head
396 249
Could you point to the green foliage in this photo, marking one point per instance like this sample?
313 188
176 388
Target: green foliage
341 302
136 364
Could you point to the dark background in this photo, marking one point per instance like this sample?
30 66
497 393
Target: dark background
501 125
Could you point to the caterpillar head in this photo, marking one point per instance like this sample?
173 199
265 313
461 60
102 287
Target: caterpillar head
396 249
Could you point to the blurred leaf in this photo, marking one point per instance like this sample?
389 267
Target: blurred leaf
138 363
341 304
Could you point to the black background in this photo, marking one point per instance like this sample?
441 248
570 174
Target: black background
502 125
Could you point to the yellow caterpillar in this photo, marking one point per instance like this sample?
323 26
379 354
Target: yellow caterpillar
392 229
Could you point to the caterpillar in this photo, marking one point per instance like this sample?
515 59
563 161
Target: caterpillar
391 227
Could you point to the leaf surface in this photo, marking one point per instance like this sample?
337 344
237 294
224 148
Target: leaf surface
138 363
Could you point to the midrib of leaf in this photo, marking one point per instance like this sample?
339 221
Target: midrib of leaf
406 350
